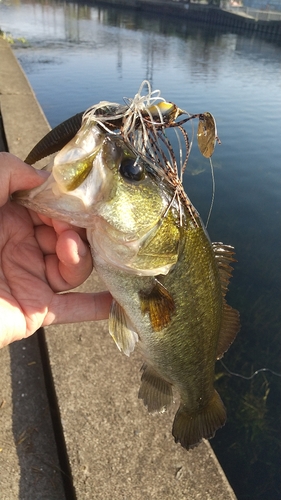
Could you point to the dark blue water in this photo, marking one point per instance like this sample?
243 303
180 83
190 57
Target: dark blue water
76 55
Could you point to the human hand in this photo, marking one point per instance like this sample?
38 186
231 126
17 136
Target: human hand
40 257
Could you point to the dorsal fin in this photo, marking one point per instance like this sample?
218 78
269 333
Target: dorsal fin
224 254
229 328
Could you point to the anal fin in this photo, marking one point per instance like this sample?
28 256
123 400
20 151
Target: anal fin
189 428
120 329
155 392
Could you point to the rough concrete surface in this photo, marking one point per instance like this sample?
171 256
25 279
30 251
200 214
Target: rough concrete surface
29 467
116 449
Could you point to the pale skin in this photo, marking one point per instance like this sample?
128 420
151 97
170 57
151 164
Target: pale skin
40 257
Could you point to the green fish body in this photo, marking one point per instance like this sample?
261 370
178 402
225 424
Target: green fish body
181 320
167 280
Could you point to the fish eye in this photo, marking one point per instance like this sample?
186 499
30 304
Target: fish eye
131 170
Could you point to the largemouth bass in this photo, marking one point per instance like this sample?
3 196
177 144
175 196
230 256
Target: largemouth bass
118 178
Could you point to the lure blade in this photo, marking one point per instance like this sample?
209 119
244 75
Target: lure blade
206 134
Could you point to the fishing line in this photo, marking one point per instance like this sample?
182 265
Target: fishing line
213 191
254 374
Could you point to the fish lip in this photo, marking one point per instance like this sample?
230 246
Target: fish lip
50 201
55 197
25 194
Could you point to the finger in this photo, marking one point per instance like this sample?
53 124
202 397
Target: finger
77 307
13 324
46 239
37 219
16 175
75 258
59 226
72 263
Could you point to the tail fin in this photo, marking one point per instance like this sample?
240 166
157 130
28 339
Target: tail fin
190 428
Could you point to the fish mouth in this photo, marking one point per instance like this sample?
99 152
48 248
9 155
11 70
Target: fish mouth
48 200
72 190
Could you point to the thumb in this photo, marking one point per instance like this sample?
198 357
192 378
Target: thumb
16 175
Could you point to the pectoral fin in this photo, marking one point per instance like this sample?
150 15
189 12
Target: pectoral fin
159 304
155 392
120 329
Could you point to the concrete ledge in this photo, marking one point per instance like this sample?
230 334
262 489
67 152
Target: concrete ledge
115 448
23 119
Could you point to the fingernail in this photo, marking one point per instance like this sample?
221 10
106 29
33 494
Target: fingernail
42 173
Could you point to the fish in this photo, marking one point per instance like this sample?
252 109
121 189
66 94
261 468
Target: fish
119 177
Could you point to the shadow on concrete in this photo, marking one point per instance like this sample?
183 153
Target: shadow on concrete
40 471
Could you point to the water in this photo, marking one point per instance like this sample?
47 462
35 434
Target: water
77 55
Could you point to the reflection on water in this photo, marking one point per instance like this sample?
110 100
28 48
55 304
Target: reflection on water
77 55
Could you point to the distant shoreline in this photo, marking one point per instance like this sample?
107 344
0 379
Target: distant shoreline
208 14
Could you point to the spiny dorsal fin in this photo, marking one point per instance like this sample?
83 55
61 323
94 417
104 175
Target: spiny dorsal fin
224 255
120 329
155 392
159 304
